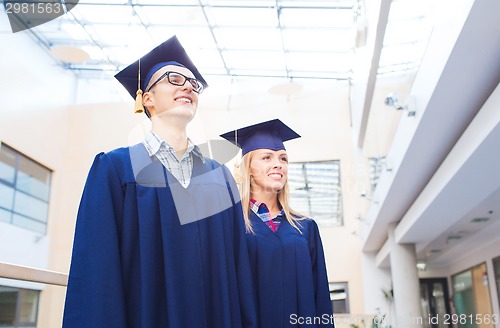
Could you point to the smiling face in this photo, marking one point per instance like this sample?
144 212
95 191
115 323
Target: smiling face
171 99
268 170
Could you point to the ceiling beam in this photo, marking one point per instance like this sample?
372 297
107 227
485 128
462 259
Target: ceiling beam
383 18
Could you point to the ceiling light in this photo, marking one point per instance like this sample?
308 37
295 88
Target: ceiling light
453 237
432 252
69 54
421 265
479 220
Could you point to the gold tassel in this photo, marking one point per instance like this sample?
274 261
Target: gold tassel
138 102
138 108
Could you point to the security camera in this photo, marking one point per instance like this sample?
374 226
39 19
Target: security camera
392 99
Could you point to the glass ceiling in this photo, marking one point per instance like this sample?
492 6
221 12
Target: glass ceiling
256 38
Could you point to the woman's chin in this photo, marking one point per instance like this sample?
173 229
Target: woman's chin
276 188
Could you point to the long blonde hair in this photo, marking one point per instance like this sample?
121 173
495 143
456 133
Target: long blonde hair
242 177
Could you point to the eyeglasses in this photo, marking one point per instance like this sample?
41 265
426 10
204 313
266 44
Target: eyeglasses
179 79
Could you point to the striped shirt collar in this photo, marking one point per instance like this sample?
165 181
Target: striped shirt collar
260 208
153 143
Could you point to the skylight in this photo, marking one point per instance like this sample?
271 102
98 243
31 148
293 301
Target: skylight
281 38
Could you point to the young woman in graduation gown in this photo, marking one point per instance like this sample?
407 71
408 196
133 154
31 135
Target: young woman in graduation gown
286 253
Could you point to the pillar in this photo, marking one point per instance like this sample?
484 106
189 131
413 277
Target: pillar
405 283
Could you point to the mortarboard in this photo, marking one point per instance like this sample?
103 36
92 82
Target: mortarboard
136 76
265 135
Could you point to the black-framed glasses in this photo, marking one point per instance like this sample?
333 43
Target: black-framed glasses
179 79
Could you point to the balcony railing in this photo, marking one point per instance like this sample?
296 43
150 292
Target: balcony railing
18 272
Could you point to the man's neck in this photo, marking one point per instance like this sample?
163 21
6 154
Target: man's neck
173 133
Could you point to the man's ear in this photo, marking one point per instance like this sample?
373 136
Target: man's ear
148 103
146 99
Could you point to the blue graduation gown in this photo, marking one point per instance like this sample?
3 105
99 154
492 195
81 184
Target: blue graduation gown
135 265
289 275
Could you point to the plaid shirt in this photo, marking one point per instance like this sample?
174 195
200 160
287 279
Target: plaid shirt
180 169
263 213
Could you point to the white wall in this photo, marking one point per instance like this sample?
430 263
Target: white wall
22 247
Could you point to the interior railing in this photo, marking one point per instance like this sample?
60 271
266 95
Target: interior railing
19 272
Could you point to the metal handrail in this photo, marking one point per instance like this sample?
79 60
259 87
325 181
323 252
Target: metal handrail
19 272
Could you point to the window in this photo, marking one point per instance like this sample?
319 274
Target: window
376 165
18 307
471 294
24 190
316 192
339 294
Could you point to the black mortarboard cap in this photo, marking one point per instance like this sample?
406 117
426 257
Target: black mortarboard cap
265 135
169 52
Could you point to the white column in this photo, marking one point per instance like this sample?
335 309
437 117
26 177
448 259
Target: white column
405 283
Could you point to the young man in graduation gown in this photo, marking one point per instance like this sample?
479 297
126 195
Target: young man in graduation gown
159 239
286 252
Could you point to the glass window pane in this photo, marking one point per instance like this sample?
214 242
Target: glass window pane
255 17
316 17
260 60
7 164
24 190
105 13
5 216
31 207
6 197
463 293
171 16
8 301
339 296
299 39
376 166
315 190
33 178
28 223
319 61
116 35
28 307
268 39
